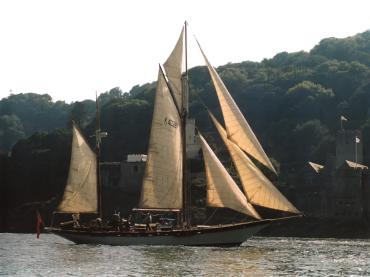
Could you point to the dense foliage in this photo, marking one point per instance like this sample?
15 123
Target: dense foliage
292 101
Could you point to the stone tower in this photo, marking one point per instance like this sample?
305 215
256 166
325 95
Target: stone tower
347 146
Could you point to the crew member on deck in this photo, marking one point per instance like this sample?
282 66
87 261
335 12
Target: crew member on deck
116 221
76 219
148 221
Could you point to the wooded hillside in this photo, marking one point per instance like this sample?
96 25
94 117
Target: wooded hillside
293 102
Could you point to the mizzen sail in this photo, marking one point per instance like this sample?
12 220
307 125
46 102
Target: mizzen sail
80 194
222 191
258 189
162 185
238 129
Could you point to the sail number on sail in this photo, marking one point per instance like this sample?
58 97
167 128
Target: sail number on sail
170 122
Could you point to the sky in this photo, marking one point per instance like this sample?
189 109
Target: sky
72 48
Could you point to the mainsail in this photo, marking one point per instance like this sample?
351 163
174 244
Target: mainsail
222 191
258 189
162 185
173 68
238 129
80 194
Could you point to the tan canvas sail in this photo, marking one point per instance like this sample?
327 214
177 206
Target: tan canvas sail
237 127
222 191
162 185
258 189
80 194
173 68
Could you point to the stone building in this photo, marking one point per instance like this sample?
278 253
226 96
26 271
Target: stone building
132 173
126 175
110 174
348 191
341 187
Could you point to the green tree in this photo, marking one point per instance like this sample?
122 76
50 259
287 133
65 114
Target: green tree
359 105
308 100
82 113
355 48
111 95
11 130
307 141
37 112
342 77
128 124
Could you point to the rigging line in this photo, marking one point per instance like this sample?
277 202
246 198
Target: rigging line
201 102
209 218
178 109
204 105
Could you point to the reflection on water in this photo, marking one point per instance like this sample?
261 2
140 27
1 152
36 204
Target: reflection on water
23 255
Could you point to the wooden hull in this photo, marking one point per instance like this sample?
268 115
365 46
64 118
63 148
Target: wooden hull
222 235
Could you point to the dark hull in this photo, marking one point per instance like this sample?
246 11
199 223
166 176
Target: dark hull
220 235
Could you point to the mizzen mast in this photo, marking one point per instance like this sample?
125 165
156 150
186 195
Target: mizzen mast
97 146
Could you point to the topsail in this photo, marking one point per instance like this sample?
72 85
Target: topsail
173 68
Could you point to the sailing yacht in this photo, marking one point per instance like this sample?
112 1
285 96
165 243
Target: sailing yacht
165 184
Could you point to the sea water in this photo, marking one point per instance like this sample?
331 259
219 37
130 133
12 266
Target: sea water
24 255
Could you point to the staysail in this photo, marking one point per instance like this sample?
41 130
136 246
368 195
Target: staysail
238 129
222 191
80 194
258 189
173 68
162 185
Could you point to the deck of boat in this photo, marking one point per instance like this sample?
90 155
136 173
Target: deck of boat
215 235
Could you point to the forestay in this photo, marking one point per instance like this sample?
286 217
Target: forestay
162 184
222 191
258 189
80 194
237 127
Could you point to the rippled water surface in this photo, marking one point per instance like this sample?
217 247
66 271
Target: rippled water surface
24 255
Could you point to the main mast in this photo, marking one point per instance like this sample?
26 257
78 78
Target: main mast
184 116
